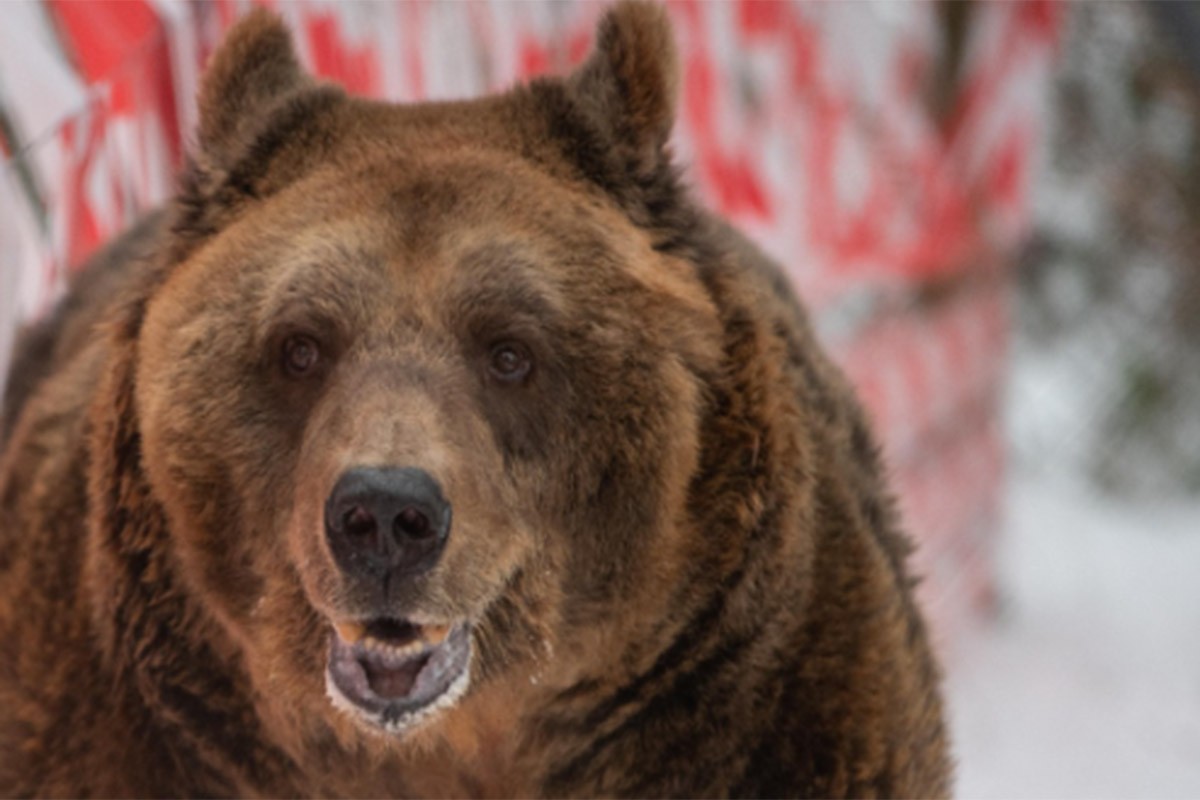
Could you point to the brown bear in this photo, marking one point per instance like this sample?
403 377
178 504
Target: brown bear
442 450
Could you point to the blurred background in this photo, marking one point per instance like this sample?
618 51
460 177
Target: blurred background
992 211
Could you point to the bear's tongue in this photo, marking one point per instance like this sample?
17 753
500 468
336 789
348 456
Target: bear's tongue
390 681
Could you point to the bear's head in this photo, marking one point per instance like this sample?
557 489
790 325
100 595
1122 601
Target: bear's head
419 389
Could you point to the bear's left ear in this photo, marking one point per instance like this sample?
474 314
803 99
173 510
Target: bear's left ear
264 122
630 82
252 71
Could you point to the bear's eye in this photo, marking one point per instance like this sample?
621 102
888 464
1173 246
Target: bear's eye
300 355
510 362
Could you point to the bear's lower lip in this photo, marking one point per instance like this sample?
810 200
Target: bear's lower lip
392 674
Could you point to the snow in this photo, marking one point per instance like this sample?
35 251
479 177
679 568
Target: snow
1088 683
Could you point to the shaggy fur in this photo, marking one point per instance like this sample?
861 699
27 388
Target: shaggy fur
679 563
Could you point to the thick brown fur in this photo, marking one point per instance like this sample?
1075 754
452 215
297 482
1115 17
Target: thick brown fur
672 538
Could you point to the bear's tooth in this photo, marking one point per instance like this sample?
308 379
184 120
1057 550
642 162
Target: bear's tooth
392 650
435 634
406 649
350 632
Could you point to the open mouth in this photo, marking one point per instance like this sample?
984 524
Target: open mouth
393 673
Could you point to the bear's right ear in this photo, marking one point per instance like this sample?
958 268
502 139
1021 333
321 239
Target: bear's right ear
253 70
630 83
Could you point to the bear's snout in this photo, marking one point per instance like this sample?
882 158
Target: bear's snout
384 522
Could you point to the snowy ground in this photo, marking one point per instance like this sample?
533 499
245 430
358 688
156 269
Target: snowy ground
1089 683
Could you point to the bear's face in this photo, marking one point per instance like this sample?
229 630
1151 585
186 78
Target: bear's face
423 416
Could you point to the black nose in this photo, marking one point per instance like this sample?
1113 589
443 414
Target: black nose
382 520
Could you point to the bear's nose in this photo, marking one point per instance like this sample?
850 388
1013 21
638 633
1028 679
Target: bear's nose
386 519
